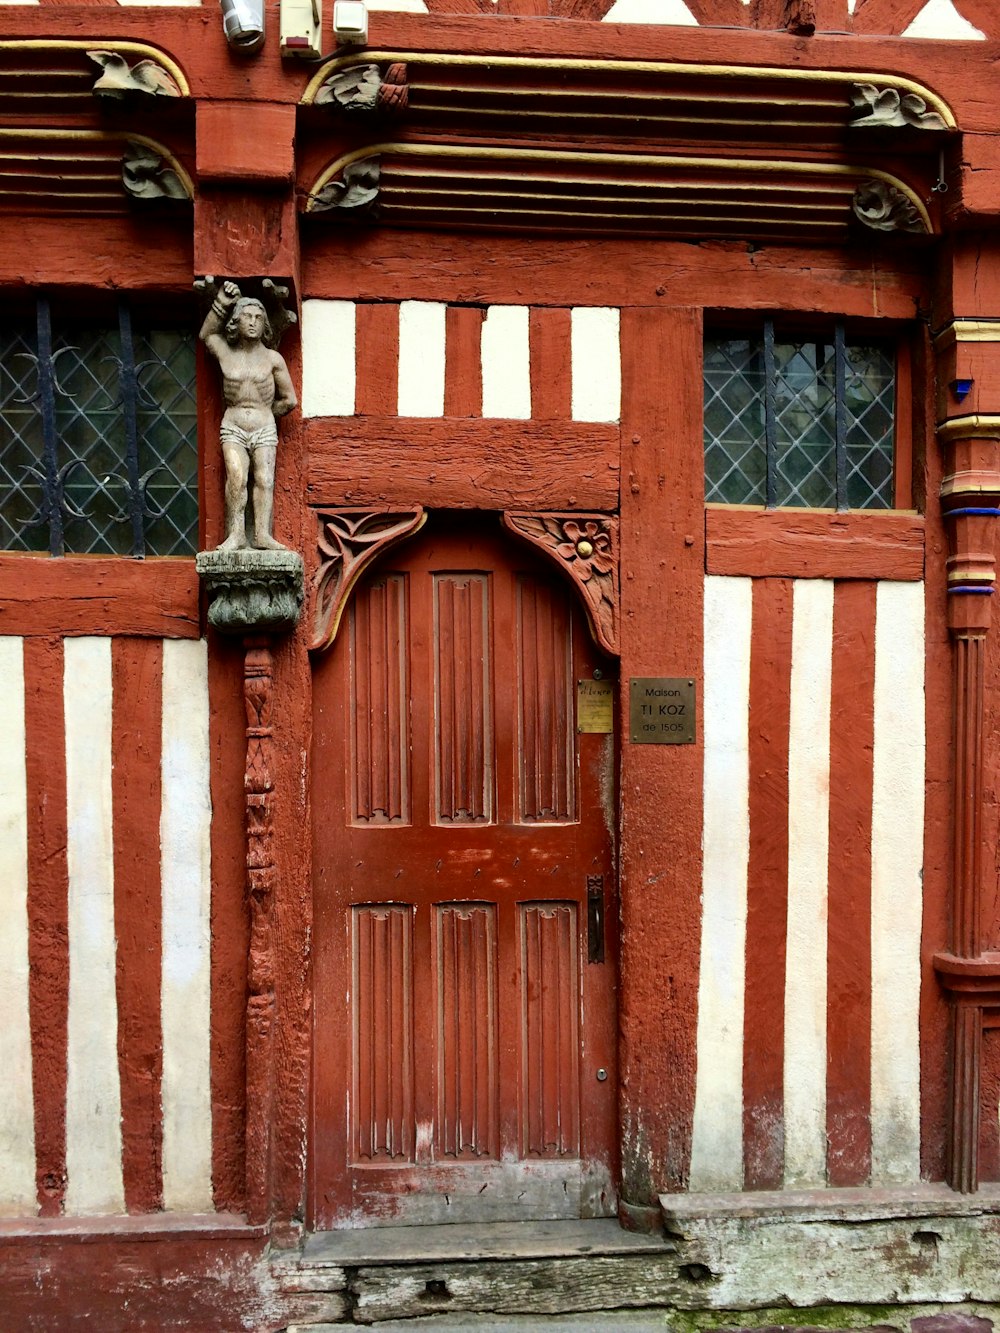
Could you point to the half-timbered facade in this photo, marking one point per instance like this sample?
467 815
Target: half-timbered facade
598 827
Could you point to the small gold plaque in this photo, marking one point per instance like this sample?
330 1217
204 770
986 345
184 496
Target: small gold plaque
595 706
661 710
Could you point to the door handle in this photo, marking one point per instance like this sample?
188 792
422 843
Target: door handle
595 918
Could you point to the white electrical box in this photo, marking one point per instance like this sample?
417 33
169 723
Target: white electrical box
301 28
350 22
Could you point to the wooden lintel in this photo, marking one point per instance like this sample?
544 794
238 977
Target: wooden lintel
461 463
803 543
99 595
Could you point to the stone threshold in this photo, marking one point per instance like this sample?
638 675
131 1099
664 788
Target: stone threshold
867 1203
373 1246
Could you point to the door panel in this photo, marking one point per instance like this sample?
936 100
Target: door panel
459 1027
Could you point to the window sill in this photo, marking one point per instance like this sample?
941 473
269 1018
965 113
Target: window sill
104 595
814 543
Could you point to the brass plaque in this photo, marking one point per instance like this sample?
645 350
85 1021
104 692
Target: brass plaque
661 710
595 706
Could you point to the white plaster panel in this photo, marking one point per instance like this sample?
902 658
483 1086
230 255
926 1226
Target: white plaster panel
93 1095
329 342
185 876
596 364
717 1143
673 12
506 363
808 870
941 20
897 871
17 1114
421 359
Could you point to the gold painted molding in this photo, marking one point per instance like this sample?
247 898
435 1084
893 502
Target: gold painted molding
140 49
970 428
123 137
968 331
750 72
817 171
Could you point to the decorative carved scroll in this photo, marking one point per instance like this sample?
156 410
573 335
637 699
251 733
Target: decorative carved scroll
118 81
883 207
889 108
585 546
145 176
259 805
365 89
349 540
355 193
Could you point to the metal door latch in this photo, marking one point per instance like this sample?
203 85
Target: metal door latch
595 918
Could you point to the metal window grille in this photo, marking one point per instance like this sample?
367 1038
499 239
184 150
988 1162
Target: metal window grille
807 423
98 437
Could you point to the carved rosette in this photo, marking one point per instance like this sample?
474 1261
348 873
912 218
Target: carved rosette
349 540
585 546
883 207
365 89
888 108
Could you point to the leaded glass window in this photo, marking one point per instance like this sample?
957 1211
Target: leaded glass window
807 422
98 436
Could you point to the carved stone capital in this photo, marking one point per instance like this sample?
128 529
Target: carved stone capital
883 207
354 194
365 89
252 591
888 108
144 81
349 540
585 547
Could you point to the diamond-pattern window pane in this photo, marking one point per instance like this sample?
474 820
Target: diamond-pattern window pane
90 452
20 444
805 423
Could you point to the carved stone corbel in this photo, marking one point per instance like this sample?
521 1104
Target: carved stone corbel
251 591
355 193
349 540
366 89
585 547
145 80
145 175
883 207
887 108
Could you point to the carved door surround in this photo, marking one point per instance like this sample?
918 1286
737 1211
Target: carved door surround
582 546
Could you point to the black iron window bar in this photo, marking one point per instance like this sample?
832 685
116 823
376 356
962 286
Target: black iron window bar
771 416
53 479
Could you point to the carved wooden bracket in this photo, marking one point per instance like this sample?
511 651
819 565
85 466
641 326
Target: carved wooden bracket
585 547
883 207
890 109
355 192
349 540
366 89
146 175
145 80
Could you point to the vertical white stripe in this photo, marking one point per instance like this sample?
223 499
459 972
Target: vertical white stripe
897 861
506 365
185 877
596 362
808 862
328 358
17 1114
93 1095
717 1146
421 359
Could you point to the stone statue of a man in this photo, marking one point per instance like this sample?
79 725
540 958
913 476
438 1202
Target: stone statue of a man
257 389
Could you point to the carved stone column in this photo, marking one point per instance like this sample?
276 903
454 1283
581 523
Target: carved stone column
970 973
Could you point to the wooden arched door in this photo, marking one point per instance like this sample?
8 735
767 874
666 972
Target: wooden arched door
464 952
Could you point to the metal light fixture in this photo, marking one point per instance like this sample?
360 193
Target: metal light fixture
243 24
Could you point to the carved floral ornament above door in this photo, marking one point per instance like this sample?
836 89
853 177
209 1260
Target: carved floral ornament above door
645 148
584 547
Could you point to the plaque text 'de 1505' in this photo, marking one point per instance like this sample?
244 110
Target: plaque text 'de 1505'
661 710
